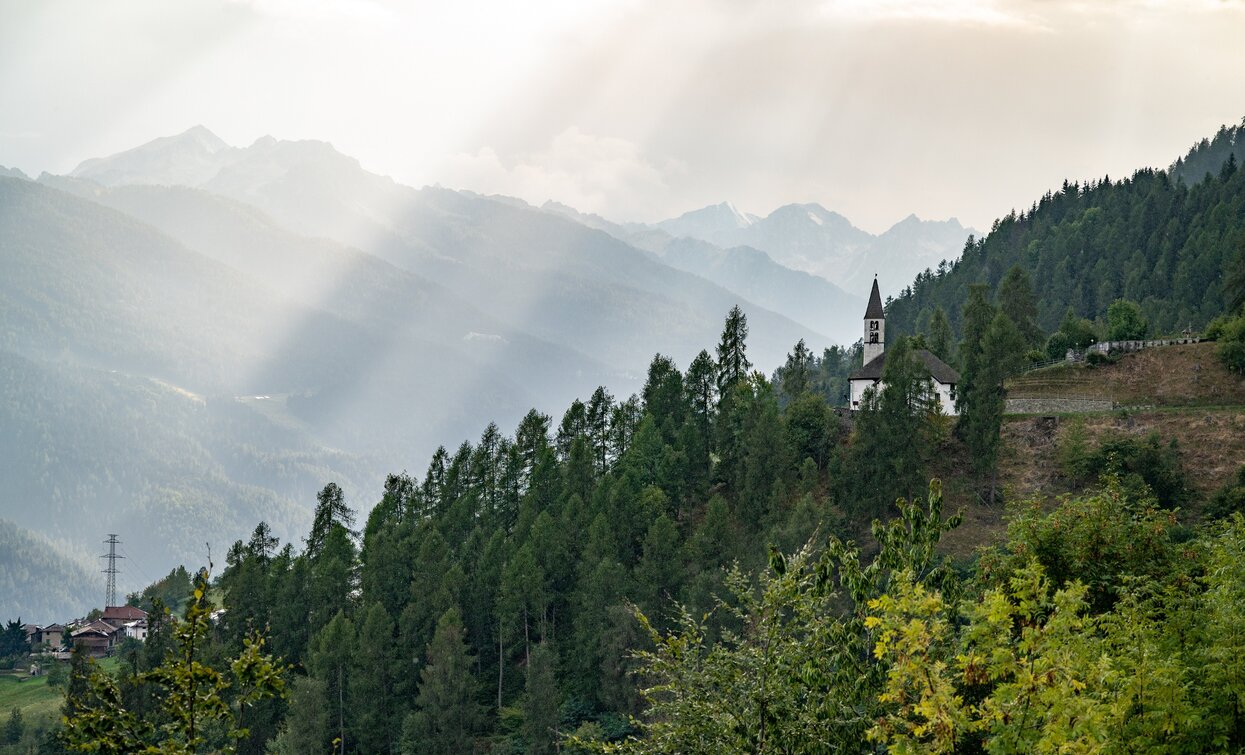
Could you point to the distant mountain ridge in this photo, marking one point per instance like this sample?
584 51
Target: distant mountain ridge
804 237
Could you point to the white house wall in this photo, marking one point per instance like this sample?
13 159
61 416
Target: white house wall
857 388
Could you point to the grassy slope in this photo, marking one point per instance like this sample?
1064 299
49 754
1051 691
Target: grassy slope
1188 375
33 696
1203 409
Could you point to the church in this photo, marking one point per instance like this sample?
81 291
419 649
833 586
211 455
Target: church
869 375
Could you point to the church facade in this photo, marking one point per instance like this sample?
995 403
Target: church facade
942 377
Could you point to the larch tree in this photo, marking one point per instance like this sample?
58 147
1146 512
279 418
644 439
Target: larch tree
733 364
447 713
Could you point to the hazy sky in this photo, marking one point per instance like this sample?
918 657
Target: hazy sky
644 109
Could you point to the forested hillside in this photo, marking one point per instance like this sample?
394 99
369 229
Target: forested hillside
37 581
1157 238
528 592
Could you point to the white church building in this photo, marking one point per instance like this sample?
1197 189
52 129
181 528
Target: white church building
869 375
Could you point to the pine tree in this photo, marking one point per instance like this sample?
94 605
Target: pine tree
733 364
14 727
796 374
1002 354
1017 300
371 699
447 714
331 510
329 660
306 725
540 702
940 340
976 318
656 574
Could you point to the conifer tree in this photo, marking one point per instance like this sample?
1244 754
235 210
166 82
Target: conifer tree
1002 354
976 320
329 660
796 373
733 364
941 341
540 701
1017 300
447 714
372 701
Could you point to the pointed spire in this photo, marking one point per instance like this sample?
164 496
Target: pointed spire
874 311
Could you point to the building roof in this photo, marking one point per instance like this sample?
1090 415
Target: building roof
123 613
95 627
874 311
938 369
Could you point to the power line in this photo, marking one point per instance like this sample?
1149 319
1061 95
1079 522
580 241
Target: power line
110 598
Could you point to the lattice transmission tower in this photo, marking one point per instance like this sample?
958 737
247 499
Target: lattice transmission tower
110 598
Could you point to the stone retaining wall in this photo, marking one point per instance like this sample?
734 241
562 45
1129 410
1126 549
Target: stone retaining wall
1057 405
1116 347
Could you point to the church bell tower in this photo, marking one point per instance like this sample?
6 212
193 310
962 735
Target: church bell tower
875 326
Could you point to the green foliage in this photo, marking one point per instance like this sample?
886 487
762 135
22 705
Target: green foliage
1151 238
939 339
540 702
733 361
1228 499
1230 333
1032 667
447 715
894 438
794 676
1099 540
197 700
14 727
1145 468
1125 321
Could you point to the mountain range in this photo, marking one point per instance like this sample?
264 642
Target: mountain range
195 336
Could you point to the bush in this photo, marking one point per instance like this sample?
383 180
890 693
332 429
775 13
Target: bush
1229 499
1145 469
1057 345
1230 333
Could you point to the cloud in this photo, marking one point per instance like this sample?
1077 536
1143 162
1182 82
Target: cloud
599 174
973 12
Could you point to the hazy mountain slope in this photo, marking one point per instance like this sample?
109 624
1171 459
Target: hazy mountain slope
907 248
38 583
719 224
396 304
87 451
579 285
89 282
751 273
543 275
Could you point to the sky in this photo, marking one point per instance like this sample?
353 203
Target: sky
644 109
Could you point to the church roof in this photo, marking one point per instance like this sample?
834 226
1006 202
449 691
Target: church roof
938 369
874 311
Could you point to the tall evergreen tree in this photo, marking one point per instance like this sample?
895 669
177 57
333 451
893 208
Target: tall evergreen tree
1002 354
372 700
447 714
329 660
940 340
976 320
796 375
331 510
1017 300
540 702
733 364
